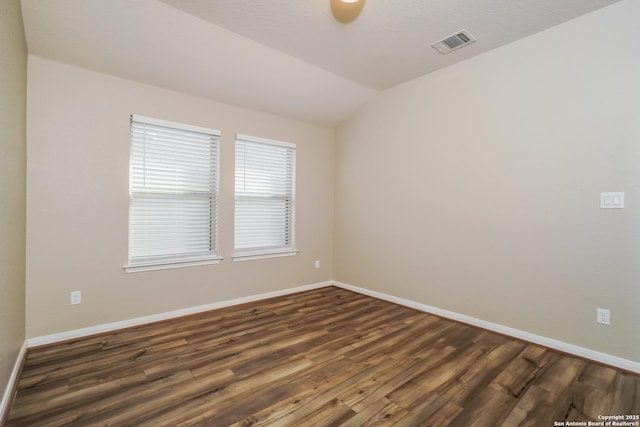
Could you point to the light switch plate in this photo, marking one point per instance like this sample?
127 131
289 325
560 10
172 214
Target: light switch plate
611 200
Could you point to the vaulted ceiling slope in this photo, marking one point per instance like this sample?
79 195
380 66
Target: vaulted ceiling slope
286 57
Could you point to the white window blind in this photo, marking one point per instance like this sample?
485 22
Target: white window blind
265 173
174 192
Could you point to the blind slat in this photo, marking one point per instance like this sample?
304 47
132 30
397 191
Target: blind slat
264 196
174 193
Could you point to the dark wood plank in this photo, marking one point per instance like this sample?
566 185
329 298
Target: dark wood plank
318 358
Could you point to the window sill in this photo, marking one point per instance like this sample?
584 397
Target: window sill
263 255
163 265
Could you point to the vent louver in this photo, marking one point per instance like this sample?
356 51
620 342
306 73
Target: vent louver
453 42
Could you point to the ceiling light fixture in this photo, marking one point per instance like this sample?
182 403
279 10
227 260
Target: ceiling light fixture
346 11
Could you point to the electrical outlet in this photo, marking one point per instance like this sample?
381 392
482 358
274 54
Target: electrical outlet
76 297
604 316
317 263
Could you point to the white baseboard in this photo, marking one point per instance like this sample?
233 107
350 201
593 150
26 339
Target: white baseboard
109 327
586 353
12 385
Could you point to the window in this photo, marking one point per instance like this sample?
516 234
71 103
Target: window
265 198
173 195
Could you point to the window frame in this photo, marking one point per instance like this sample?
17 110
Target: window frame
185 259
284 251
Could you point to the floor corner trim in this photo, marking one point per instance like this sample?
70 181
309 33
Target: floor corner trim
12 385
596 356
575 350
109 327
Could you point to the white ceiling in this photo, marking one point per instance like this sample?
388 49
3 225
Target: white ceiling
287 57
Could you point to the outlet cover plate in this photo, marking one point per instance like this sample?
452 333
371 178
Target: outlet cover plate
604 316
76 297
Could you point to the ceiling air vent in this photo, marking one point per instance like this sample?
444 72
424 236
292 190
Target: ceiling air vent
453 42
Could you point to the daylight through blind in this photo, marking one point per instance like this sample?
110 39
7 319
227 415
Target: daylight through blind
264 196
174 192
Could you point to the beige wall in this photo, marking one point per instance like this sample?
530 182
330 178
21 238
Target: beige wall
77 202
13 88
476 189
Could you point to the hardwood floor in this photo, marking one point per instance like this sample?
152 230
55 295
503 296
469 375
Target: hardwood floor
319 358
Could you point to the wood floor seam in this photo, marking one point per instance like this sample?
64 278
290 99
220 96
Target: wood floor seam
323 357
